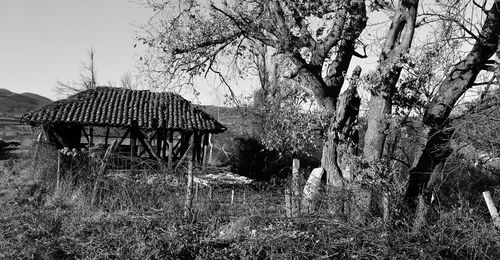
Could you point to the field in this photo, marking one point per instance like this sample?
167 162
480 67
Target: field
142 217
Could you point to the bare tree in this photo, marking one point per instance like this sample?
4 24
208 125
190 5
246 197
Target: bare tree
88 78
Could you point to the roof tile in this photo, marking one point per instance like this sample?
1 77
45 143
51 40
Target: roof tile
107 106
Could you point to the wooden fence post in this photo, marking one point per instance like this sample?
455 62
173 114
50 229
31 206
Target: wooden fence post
189 192
295 187
491 208
58 178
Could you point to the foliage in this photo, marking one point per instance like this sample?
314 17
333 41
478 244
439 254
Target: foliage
288 123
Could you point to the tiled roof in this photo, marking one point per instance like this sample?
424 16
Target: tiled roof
107 106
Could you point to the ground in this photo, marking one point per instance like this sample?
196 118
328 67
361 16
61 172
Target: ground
143 219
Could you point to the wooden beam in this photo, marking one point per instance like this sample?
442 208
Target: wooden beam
124 136
164 146
132 142
205 149
107 136
59 138
142 138
159 134
170 148
91 134
85 134
195 147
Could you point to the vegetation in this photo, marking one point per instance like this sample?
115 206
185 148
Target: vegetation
142 217
403 172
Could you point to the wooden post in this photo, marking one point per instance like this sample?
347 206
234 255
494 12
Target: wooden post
58 177
101 170
189 192
195 147
132 147
197 186
211 149
288 203
91 136
295 187
37 147
159 134
170 149
107 137
492 209
385 207
205 149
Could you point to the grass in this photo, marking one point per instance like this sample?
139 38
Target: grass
142 218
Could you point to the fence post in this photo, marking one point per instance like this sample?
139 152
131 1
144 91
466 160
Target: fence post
189 192
58 178
491 208
288 203
295 187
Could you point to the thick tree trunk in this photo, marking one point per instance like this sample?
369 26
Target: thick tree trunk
436 117
397 44
340 146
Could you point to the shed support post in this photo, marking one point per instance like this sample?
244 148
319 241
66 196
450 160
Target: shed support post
159 136
195 144
107 137
91 136
170 148
132 147
164 138
205 158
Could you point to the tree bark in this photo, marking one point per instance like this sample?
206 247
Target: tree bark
397 44
436 117
341 145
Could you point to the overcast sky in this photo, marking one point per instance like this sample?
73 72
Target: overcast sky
43 41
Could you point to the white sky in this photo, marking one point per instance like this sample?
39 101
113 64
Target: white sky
43 41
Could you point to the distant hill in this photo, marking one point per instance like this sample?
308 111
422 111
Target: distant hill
15 104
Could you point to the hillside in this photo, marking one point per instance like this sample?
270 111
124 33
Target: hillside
14 104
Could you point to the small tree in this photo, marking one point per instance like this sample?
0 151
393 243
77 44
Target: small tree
88 78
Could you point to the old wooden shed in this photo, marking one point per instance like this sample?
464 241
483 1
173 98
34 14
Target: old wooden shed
159 125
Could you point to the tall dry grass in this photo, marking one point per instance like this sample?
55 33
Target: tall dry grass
140 216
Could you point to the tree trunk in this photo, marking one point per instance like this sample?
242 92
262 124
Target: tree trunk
397 44
340 146
436 117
